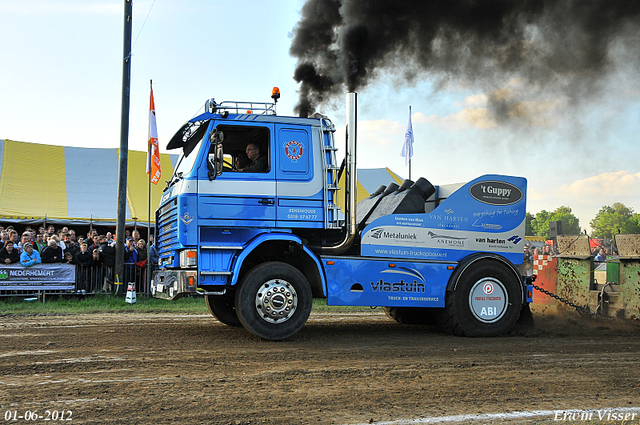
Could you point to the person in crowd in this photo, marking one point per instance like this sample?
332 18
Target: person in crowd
110 239
130 252
72 236
601 257
41 230
13 237
4 237
130 258
84 256
141 247
72 247
153 256
25 238
60 244
51 230
52 253
136 237
8 254
83 259
29 256
94 242
108 253
68 258
96 258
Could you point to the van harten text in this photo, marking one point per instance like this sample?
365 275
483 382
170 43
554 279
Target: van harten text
594 415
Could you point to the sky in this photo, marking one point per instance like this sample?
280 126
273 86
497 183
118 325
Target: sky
61 84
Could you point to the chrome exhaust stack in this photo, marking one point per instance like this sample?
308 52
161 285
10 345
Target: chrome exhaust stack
351 178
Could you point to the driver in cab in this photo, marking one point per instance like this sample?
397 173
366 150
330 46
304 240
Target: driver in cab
258 161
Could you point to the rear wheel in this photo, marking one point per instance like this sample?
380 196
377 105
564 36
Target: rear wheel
486 302
222 308
274 301
410 315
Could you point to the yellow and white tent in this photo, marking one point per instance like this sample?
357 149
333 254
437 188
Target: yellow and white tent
72 185
69 185
369 179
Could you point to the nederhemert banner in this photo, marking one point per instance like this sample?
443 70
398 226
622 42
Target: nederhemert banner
15 277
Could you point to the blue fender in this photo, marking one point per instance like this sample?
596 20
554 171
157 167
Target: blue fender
266 237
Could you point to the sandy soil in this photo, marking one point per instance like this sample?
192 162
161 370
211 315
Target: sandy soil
340 369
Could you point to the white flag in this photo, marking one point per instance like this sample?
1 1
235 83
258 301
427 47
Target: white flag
407 147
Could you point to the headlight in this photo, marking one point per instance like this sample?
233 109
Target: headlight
189 258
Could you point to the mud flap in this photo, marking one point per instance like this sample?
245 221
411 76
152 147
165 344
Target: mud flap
526 317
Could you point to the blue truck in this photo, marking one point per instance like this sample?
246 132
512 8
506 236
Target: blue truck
251 220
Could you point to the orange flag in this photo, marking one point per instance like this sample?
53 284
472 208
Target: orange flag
153 151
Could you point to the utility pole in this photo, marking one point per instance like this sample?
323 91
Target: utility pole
124 143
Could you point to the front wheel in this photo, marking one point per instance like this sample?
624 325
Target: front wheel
274 301
486 301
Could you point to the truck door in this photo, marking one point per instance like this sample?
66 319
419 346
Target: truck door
299 178
245 193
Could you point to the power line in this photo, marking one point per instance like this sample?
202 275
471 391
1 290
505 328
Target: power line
143 24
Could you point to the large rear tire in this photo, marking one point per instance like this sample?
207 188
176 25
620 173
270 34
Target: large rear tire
486 301
274 301
222 308
410 315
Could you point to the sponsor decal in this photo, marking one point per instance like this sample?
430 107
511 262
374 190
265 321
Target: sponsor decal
293 150
402 286
37 277
496 193
380 232
186 218
514 239
487 288
418 284
449 241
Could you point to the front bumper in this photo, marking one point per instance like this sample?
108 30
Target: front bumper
173 284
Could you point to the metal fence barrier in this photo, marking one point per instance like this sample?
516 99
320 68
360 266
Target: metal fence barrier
91 280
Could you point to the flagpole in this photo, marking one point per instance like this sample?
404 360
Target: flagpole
409 157
148 279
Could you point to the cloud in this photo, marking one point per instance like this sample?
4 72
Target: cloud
381 133
587 196
499 108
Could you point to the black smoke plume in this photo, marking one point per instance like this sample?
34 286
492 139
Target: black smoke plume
552 45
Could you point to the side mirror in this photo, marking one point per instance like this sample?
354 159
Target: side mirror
215 157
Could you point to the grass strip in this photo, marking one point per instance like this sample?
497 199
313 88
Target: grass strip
91 304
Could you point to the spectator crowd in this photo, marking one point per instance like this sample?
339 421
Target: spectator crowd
48 246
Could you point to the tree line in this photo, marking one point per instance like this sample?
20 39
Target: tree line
610 220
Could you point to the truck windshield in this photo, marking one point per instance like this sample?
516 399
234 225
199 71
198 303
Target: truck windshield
186 162
189 138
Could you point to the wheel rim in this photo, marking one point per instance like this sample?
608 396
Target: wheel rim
488 300
276 301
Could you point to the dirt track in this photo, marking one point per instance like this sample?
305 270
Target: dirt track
341 368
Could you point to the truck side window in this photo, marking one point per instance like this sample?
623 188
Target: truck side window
246 149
